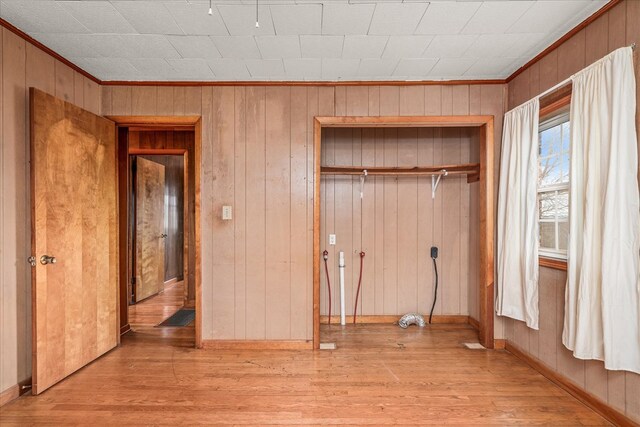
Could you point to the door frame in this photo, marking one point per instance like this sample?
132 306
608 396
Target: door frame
486 208
160 123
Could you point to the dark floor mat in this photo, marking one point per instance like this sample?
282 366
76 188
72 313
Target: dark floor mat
182 317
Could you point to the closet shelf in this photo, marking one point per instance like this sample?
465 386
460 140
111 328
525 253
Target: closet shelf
470 169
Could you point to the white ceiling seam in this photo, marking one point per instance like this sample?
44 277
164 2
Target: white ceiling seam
332 40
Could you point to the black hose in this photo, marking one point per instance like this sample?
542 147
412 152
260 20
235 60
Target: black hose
435 293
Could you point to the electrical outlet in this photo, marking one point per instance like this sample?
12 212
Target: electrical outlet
227 213
332 239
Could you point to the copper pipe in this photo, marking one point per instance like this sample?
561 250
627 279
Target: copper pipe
355 309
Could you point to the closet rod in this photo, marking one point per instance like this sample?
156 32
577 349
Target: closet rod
465 169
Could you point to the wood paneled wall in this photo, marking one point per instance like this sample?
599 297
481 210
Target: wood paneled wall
257 145
174 214
397 221
618 27
22 65
619 389
257 157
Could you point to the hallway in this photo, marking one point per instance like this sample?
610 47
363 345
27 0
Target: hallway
154 310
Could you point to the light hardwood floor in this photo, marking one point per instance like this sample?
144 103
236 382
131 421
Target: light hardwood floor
157 308
380 374
146 315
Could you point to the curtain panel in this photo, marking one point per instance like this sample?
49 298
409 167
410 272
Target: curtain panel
602 318
517 275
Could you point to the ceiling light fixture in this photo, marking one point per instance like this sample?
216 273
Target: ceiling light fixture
210 8
257 23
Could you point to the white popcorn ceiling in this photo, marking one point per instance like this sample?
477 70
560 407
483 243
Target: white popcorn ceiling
177 40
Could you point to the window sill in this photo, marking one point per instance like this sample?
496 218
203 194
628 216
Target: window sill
557 264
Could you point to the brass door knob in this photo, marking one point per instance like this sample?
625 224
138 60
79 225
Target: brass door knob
46 259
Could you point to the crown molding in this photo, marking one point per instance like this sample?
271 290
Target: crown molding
575 30
308 83
70 64
520 70
45 49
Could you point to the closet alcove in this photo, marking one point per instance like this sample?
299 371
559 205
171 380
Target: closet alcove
393 187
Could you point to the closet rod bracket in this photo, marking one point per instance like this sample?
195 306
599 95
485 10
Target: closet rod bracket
362 178
436 181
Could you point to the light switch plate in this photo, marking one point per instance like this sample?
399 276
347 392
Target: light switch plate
332 239
227 213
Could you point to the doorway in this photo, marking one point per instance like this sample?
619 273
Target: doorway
158 295
159 243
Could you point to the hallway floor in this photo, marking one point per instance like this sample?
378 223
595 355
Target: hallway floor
157 308
380 374
145 316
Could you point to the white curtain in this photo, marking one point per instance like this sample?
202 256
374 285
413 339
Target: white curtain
601 302
518 216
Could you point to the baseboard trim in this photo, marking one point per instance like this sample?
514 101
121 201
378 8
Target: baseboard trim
474 323
15 391
385 319
603 409
335 320
125 328
9 394
257 345
171 281
499 344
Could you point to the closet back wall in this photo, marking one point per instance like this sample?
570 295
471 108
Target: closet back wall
257 155
397 221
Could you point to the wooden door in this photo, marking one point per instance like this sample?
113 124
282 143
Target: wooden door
74 220
150 234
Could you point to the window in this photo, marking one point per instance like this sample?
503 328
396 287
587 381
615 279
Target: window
553 187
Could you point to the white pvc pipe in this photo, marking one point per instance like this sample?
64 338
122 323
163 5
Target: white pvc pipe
343 314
